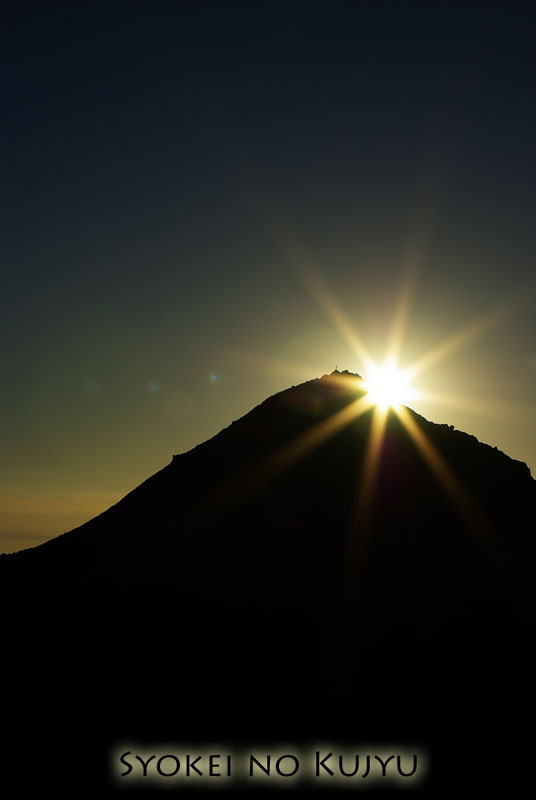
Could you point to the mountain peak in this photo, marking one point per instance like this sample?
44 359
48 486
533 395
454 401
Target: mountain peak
309 545
343 372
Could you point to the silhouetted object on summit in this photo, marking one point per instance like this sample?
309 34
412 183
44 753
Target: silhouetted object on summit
247 591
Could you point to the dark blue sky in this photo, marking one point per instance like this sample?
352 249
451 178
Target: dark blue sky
160 161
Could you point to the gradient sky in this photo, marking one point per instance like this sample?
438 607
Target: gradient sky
178 180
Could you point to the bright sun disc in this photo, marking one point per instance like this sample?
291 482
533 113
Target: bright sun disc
388 386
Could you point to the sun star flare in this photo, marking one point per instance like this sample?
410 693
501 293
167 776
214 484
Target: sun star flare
387 386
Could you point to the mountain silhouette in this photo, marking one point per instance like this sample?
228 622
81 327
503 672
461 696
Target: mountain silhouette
280 583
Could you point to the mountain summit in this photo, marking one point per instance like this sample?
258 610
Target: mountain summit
309 567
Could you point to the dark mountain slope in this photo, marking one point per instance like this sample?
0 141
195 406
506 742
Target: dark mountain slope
242 593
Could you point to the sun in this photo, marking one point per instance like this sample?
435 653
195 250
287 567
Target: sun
388 386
